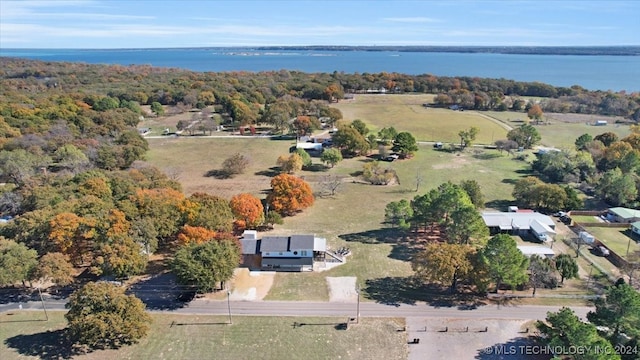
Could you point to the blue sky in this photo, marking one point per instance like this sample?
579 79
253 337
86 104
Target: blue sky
157 23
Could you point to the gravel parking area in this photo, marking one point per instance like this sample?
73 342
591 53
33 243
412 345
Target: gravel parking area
342 289
472 339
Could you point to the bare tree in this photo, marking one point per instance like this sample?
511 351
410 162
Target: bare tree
419 179
173 173
330 184
632 268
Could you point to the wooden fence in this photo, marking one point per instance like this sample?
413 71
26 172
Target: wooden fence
586 212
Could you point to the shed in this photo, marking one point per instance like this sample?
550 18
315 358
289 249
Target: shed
586 238
541 230
635 227
309 146
536 250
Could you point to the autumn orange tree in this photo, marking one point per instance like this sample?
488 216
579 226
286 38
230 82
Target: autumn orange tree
195 235
535 112
117 253
303 126
289 194
247 210
72 235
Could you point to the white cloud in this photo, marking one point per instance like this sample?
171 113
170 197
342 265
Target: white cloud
41 10
26 31
16 9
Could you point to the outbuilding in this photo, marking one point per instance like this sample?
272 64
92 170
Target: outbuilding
542 251
310 146
623 215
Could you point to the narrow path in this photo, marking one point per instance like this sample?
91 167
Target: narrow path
505 126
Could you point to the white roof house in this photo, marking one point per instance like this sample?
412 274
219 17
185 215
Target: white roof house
536 250
508 221
284 252
541 228
309 146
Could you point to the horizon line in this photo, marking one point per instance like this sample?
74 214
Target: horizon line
330 46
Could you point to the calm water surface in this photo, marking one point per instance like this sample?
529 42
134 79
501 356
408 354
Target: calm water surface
591 72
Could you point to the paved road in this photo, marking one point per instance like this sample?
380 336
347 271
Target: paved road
294 308
367 309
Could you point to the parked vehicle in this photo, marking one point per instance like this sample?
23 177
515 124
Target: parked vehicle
187 296
566 220
602 251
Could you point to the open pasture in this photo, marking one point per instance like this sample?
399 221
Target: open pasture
406 113
205 337
354 217
561 130
191 158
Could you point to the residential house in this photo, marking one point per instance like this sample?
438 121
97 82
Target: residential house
282 253
635 228
623 215
520 223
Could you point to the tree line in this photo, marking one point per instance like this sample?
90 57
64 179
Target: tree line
460 251
605 165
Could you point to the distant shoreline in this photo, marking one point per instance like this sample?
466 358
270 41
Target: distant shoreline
621 50
512 50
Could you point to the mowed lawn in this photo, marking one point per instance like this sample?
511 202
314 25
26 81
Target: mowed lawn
208 337
190 158
406 113
616 239
354 216
562 134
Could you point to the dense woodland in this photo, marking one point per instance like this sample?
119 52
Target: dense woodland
70 149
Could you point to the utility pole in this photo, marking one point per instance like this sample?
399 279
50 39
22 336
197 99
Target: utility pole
43 307
229 306
358 304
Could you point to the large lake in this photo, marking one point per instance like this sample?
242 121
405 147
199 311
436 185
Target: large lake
591 72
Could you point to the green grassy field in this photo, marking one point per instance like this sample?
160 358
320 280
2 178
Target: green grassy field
406 113
582 219
354 216
616 239
558 133
207 337
191 158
